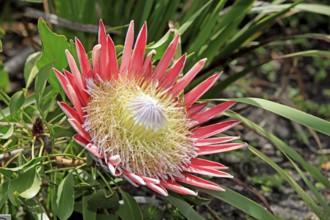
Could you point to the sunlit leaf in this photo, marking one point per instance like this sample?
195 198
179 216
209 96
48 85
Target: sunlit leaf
315 8
30 68
53 51
8 134
27 185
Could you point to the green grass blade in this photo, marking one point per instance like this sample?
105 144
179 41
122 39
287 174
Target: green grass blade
242 37
188 23
310 185
206 30
295 115
315 8
284 148
227 27
308 53
308 200
241 202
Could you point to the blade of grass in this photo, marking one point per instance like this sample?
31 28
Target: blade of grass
246 35
227 26
313 189
308 200
241 202
295 115
309 53
284 148
314 8
188 23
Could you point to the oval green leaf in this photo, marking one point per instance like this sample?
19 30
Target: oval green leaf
27 185
130 209
16 102
65 198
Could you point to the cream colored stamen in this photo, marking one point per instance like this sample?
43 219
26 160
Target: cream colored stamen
147 112
146 128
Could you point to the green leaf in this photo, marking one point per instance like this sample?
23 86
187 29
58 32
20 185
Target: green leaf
130 209
86 211
4 82
106 217
53 47
3 193
35 208
307 53
227 27
32 163
53 51
241 202
40 83
104 200
295 115
188 23
246 33
16 102
207 28
185 209
8 134
65 198
30 68
27 185
161 45
315 8
27 102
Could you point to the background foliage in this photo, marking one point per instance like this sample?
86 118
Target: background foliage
274 51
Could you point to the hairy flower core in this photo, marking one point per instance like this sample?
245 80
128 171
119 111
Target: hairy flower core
147 128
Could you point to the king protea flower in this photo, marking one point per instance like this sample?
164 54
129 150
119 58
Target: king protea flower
135 120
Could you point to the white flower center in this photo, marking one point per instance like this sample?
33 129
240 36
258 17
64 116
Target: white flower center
147 112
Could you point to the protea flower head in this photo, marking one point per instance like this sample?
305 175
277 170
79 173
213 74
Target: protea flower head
134 119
